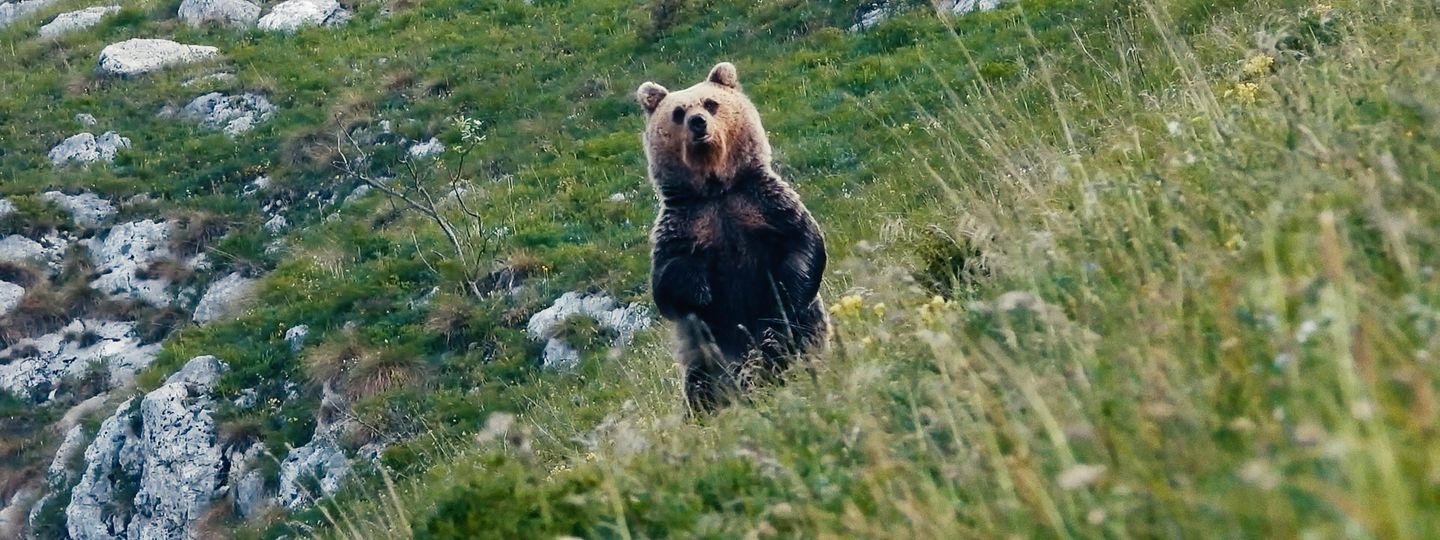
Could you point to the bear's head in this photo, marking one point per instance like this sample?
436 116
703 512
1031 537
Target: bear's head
701 137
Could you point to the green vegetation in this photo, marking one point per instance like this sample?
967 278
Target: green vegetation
1102 269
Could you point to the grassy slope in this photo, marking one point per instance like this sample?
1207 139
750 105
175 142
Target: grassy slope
1183 236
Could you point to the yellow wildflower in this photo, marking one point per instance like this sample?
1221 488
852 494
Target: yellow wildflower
878 309
848 306
1245 92
1259 65
867 341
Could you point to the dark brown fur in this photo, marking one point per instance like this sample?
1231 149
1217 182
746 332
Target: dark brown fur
737 258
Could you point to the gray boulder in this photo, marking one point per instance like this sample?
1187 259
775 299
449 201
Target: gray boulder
224 298
238 13
232 114
173 458
140 56
124 253
6 207
624 321
86 148
71 21
37 364
11 12
426 149
293 15
86 209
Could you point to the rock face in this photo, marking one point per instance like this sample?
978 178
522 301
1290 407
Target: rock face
126 251
48 250
232 114
320 462
160 460
86 148
293 15
36 365
140 56
86 209
624 321
226 12
10 295
10 12
223 298
76 20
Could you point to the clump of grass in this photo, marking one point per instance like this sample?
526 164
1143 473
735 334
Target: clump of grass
192 230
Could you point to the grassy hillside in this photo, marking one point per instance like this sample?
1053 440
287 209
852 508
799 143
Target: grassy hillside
1103 269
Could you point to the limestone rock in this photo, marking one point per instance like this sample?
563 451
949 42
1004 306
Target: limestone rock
232 114
125 252
293 15
238 13
224 298
86 148
86 209
624 321
71 21
140 56
174 458
10 12
36 365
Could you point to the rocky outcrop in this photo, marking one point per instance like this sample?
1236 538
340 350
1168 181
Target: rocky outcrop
10 12
232 114
293 15
155 466
876 12
19 249
140 56
319 463
126 251
71 21
10 295
239 13
224 298
623 321
86 148
426 149
86 209
35 366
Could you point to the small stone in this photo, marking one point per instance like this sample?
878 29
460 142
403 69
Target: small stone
231 114
86 119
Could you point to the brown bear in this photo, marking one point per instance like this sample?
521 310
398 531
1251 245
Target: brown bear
737 258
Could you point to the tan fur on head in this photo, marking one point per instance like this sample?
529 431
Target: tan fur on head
709 130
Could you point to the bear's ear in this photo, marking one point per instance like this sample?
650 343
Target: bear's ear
649 96
724 74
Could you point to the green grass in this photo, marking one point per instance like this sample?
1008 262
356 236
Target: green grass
1224 295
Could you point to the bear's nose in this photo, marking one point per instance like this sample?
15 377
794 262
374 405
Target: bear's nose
697 124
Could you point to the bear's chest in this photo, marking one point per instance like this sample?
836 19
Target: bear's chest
734 225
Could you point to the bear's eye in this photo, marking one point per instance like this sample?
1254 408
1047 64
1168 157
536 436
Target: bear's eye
712 105
679 115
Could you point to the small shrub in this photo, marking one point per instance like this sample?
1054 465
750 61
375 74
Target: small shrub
195 229
947 262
